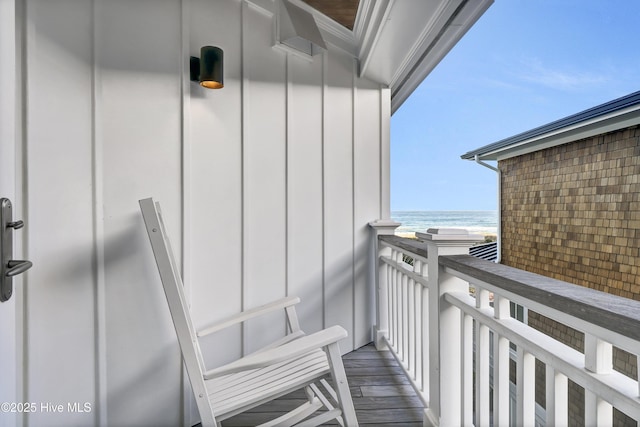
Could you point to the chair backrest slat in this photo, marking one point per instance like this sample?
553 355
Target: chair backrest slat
174 291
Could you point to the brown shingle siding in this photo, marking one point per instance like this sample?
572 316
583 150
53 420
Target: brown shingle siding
572 212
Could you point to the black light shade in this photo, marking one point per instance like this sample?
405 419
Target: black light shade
208 69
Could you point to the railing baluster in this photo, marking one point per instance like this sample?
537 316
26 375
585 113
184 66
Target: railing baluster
389 296
405 317
411 340
396 307
597 411
501 361
467 370
482 361
425 331
557 398
417 330
392 303
399 312
399 305
526 388
417 347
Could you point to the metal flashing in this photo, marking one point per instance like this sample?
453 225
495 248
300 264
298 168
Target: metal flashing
621 112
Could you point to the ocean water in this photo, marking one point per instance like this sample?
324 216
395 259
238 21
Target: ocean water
480 222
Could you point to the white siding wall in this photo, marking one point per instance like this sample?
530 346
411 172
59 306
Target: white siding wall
267 186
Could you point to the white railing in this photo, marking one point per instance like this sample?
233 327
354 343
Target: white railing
405 311
454 345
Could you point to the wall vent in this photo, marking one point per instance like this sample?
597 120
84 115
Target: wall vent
297 30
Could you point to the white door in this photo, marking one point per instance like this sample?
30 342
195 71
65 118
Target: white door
9 133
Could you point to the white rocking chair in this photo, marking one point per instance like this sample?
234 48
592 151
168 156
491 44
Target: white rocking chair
297 361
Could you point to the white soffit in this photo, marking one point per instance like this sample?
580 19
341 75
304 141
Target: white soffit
405 39
397 42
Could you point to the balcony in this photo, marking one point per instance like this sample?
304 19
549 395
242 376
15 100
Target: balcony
457 348
449 320
448 325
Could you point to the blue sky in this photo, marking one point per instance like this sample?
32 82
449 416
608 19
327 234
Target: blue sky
525 63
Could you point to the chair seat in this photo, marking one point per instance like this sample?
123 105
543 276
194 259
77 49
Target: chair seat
234 393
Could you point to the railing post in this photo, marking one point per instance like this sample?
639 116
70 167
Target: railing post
445 320
381 328
598 358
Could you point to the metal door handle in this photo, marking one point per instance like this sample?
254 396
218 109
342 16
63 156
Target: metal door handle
9 267
17 267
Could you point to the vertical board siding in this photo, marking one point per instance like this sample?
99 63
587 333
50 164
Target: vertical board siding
9 130
338 194
268 183
366 206
215 130
138 54
59 297
304 189
384 149
264 176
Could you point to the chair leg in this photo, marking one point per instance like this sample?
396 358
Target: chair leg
341 385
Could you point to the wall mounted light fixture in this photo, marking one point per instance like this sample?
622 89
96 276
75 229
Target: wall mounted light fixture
208 69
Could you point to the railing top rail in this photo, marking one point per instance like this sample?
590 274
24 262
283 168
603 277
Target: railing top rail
612 312
410 245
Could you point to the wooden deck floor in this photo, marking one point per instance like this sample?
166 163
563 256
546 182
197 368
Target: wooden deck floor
381 394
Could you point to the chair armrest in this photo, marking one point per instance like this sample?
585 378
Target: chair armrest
279 354
248 314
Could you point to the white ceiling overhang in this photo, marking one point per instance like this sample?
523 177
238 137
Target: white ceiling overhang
402 41
398 42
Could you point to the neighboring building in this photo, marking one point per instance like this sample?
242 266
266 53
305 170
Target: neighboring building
570 209
488 251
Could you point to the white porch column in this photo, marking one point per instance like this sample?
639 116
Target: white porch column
381 328
445 343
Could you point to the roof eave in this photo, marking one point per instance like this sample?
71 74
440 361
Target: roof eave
429 55
399 55
390 52
605 123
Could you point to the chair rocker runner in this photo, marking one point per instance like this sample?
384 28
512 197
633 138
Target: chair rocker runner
295 362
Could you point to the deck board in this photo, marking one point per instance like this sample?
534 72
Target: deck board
381 394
